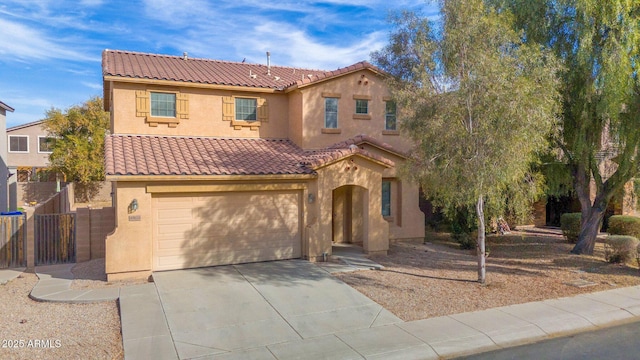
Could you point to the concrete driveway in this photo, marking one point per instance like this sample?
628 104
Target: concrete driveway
241 309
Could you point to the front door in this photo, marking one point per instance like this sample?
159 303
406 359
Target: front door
348 214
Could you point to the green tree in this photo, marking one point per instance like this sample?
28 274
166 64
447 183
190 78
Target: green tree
78 152
598 42
478 102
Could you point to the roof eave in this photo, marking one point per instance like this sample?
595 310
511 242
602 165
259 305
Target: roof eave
297 85
125 79
346 157
6 107
139 178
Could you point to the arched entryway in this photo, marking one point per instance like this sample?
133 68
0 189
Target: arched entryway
349 215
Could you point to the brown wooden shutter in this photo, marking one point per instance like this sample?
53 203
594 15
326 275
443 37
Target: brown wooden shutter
263 110
182 106
228 108
142 103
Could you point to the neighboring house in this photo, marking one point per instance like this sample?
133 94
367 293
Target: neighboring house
29 147
216 162
4 169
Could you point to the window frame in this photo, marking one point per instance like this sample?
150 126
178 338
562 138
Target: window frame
327 112
255 108
359 107
18 151
40 151
387 191
175 103
387 115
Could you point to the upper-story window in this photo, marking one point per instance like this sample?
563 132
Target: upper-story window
362 107
163 104
246 109
331 113
19 143
46 144
390 116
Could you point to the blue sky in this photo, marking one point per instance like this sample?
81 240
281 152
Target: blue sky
50 50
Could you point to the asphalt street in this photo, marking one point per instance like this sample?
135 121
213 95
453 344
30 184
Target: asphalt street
619 342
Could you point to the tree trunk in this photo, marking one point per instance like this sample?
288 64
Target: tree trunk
481 246
591 213
589 229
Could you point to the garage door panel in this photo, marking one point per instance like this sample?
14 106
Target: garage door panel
225 228
228 243
171 229
175 214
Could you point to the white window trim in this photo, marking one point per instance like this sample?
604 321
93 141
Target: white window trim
43 152
18 152
337 112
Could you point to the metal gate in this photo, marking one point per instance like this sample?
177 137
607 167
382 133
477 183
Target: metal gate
13 241
55 238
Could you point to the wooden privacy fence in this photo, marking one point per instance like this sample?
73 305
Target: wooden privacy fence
55 238
13 241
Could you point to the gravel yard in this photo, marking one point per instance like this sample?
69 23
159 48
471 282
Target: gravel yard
437 278
39 330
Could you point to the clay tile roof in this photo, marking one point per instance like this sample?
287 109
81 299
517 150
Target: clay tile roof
205 71
166 155
360 139
318 158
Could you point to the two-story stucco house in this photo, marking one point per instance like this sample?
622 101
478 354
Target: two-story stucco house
216 162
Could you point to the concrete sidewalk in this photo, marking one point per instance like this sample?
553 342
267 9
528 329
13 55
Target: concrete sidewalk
146 333
442 337
462 334
7 275
55 286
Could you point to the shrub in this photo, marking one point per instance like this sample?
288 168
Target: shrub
620 248
466 240
638 255
570 225
624 225
463 224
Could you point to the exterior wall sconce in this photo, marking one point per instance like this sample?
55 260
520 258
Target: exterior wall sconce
311 198
133 206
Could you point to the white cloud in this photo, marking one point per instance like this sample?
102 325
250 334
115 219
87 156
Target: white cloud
302 50
20 42
94 86
91 3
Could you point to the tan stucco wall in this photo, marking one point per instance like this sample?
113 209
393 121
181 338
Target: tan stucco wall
407 220
295 117
33 158
128 248
205 114
351 171
347 86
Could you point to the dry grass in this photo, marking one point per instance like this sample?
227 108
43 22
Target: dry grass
53 330
437 278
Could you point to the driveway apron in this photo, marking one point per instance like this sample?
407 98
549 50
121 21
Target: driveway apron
217 310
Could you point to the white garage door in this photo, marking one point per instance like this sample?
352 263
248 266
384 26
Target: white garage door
225 228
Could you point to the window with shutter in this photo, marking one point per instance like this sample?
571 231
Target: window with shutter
263 110
142 103
164 106
182 106
245 111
